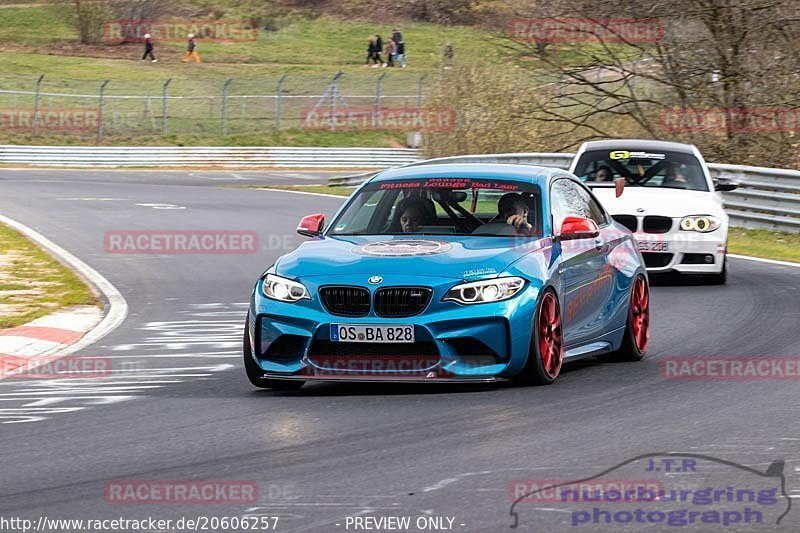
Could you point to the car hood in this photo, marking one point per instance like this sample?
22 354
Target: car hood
672 203
461 257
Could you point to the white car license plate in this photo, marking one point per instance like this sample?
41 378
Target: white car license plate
653 246
365 333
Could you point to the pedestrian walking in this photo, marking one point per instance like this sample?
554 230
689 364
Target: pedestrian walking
148 48
391 47
448 56
400 50
191 50
379 46
373 52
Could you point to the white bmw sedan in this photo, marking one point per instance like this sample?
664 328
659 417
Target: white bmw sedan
670 202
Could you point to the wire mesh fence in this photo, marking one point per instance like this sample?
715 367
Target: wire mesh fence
41 105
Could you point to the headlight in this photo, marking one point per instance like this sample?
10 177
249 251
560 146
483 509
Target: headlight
701 223
489 290
283 289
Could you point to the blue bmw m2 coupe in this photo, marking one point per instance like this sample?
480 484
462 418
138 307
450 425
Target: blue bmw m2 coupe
451 273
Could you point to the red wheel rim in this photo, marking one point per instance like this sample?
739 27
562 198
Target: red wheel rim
550 340
640 314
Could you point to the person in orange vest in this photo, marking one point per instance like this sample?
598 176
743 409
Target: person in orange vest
191 50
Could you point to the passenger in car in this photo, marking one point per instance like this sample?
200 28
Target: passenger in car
603 173
413 213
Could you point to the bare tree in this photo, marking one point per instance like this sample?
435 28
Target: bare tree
738 56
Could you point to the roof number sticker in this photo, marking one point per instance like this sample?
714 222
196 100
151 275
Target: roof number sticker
625 154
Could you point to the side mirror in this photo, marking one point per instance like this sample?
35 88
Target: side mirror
619 186
725 186
311 225
578 228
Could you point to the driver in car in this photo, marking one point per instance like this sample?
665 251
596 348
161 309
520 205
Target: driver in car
675 178
512 217
514 210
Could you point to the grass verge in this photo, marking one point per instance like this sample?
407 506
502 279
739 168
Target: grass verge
33 283
318 189
765 243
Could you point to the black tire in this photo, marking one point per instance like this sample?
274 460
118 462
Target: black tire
721 278
254 373
534 372
630 350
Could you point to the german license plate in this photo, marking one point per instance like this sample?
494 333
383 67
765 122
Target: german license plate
653 246
365 333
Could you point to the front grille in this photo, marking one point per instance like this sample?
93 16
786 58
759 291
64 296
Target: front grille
654 260
286 347
629 221
325 348
656 224
345 301
401 301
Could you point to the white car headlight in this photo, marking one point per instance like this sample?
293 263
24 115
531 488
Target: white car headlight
488 290
283 289
701 223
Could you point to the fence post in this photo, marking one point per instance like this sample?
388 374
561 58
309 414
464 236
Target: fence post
225 105
278 92
419 90
378 89
164 120
101 111
334 95
36 105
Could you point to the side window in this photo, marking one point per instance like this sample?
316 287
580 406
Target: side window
569 198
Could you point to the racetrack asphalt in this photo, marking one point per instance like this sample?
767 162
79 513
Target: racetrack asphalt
179 407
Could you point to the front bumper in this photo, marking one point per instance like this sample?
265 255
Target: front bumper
455 343
685 252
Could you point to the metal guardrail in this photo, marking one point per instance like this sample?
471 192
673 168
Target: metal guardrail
206 156
767 198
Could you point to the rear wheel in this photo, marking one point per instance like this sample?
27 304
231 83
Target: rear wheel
254 372
546 353
637 328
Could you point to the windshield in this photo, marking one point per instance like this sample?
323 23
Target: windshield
672 170
443 206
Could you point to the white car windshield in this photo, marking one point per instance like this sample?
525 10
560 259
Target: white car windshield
671 170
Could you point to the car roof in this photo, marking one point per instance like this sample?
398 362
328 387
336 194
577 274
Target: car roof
639 144
528 173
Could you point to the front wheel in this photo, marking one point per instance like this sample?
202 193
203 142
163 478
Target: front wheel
637 328
255 373
720 278
546 353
